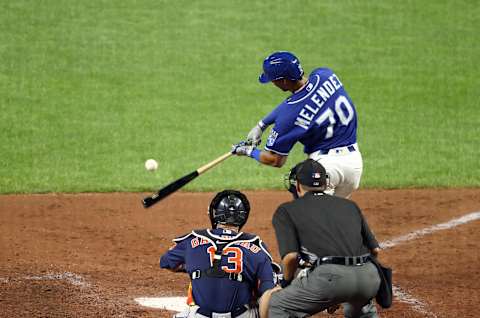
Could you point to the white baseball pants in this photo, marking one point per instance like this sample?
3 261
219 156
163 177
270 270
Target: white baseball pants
344 169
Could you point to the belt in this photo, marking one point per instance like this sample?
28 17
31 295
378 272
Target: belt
235 313
338 150
232 276
344 260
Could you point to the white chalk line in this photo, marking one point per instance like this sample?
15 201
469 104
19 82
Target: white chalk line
401 295
179 303
72 278
414 303
431 229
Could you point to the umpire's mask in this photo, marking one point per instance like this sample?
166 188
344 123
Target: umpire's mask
290 181
309 173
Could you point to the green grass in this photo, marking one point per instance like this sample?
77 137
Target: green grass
91 89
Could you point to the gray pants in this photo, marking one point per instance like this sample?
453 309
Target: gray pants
325 286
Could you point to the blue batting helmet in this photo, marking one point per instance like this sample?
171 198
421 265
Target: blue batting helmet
280 65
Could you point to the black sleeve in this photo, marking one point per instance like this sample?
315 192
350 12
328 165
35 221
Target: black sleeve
285 232
368 237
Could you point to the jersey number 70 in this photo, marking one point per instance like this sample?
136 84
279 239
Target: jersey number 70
345 118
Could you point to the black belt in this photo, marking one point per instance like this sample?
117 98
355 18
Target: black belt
341 260
221 274
234 313
350 148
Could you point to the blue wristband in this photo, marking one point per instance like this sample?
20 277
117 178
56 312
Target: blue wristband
255 154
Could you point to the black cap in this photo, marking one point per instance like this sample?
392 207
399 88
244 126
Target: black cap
311 173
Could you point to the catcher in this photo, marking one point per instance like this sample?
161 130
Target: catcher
229 269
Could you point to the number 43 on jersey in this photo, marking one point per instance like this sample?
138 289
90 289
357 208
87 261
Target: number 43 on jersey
234 259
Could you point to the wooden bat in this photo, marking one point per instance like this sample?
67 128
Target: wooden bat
177 184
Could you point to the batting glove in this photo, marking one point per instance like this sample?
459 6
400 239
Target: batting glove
242 149
255 134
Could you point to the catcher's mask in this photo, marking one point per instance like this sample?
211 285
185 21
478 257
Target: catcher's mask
229 207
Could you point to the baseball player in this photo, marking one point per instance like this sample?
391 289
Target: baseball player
229 269
318 113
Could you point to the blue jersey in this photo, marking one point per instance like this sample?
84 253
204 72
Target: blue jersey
321 116
243 254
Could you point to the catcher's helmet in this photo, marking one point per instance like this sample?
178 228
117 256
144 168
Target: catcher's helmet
280 65
229 207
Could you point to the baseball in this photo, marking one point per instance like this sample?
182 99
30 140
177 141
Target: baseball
151 165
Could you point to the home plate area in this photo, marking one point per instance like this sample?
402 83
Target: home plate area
96 255
178 304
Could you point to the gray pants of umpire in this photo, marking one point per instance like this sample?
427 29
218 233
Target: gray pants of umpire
325 286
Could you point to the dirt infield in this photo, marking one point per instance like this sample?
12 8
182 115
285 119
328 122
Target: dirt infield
90 255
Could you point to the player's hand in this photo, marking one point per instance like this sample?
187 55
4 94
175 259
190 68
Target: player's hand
255 135
375 251
331 310
284 283
179 269
304 264
242 149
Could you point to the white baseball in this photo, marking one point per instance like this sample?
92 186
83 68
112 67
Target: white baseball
151 165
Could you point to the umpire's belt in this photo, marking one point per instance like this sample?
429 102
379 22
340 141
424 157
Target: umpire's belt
235 313
344 260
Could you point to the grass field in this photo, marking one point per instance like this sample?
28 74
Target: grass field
91 89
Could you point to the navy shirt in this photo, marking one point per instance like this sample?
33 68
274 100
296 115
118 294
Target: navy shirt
318 225
244 253
321 116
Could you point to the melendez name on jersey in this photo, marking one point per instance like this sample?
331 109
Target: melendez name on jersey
321 116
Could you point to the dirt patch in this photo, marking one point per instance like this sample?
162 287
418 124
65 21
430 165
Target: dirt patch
90 255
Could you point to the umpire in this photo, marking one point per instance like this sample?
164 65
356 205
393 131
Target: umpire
331 234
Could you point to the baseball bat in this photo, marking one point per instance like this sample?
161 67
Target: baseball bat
177 184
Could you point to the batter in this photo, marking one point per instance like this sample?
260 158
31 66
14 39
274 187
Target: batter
319 114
